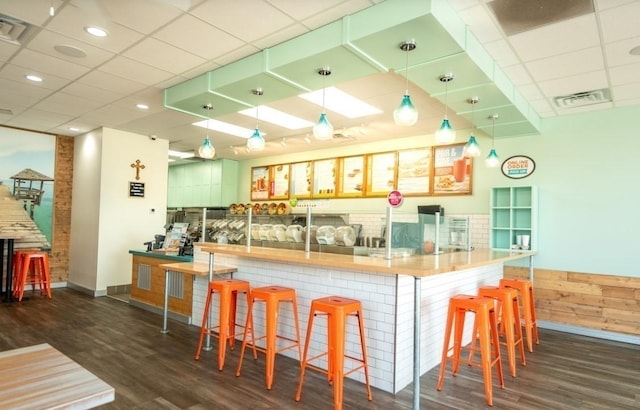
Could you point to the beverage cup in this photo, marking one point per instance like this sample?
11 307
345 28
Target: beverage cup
459 169
525 241
519 241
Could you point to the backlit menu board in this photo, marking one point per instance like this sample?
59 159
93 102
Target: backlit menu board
324 178
260 183
300 177
451 170
414 169
381 175
279 182
351 176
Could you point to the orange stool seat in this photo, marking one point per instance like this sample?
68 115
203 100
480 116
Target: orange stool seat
272 296
337 309
508 314
485 314
228 290
525 287
31 267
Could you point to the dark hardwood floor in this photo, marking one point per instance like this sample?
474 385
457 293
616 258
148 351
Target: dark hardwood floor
149 370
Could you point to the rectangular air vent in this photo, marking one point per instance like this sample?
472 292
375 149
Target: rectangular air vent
583 98
11 29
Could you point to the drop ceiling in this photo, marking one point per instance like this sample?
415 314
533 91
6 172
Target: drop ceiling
218 51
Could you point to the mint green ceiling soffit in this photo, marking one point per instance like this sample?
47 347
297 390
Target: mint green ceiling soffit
360 45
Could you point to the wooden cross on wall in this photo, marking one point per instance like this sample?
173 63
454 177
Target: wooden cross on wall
138 166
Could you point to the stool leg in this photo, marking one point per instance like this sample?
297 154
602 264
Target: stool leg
534 324
526 304
364 354
204 327
307 342
224 318
496 347
508 318
337 346
248 324
485 353
272 326
445 347
457 338
295 317
518 330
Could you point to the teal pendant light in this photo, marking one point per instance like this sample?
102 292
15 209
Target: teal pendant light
472 148
492 160
206 149
256 141
323 130
406 114
445 134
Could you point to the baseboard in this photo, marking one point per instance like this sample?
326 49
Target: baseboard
583 331
171 315
87 291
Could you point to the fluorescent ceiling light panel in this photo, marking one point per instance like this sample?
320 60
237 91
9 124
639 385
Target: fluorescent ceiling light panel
276 117
226 128
342 103
181 155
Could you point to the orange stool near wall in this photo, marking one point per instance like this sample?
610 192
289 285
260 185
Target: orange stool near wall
31 267
228 290
272 296
337 309
486 320
508 313
525 287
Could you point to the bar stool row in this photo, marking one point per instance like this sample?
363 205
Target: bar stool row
31 267
497 312
335 308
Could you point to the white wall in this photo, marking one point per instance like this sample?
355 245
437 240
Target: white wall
106 222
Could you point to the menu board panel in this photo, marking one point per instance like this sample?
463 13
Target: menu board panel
300 177
324 178
381 173
279 188
259 183
414 168
451 171
351 182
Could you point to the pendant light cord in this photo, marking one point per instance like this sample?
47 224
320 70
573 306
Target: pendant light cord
406 71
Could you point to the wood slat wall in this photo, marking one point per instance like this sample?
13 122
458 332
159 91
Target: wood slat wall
603 302
61 226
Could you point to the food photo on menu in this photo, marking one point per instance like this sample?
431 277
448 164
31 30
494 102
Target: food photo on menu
452 170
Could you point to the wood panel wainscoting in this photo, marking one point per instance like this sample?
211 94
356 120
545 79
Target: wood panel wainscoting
601 302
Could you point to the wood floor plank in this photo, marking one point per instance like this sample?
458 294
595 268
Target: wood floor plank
123 346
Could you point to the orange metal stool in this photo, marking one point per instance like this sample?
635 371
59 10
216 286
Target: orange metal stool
273 296
337 309
485 314
507 311
228 290
525 287
31 267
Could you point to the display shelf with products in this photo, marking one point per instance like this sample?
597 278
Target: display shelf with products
513 217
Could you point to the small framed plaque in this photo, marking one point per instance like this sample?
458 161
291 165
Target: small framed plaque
136 189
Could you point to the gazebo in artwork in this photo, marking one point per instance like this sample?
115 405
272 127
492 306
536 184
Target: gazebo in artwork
28 186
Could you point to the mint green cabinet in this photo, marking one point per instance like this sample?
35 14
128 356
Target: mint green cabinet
513 217
203 184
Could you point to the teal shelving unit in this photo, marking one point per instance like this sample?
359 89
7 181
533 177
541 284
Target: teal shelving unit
513 213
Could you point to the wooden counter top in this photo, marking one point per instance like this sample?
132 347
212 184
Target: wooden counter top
198 269
418 266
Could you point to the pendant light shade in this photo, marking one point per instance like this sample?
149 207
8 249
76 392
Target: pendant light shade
492 160
406 114
472 148
206 149
323 130
256 141
445 134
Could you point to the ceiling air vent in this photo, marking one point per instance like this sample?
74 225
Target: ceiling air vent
11 29
583 98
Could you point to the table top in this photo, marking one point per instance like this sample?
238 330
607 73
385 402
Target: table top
39 377
199 269
417 265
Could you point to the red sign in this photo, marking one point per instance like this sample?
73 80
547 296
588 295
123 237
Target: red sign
395 198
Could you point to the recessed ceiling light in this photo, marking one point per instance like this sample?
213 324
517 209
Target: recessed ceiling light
635 51
33 78
181 155
74 129
276 117
142 106
96 31
340 102
226 128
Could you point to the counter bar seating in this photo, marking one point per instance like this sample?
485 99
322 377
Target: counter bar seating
525 287
336 309
272 296
228 290
508 314
485 314
31 267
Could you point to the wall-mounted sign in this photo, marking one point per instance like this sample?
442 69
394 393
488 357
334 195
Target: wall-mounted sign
136 189
518 166
394 198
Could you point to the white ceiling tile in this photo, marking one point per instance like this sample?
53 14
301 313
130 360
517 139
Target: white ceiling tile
67 104
621 22
154 52
542 106
111 82
574 84
281 36
618 52
49 65
555 39
94 93
627 92
142 16
45 44
17 74
7 50
301 10
262 20
128 68
502 53
567 64
31 11
518 74
458 5
335 13
608 4
483 23
44 119
625 74
214 42
531 92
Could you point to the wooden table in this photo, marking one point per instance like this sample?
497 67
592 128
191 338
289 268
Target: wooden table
40 377
191 268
